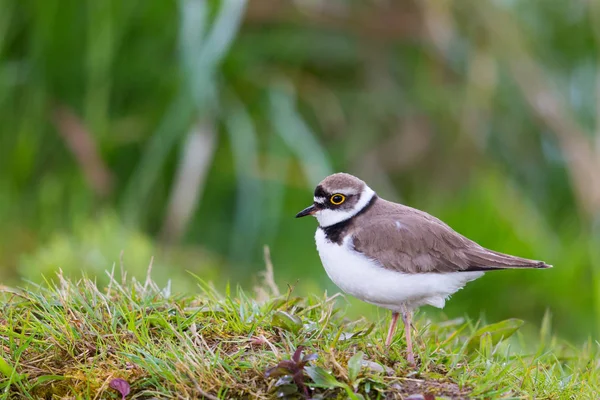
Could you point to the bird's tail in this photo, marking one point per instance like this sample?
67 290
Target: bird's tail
483 259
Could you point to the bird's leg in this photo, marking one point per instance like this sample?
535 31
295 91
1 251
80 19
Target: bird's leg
406 318
390 334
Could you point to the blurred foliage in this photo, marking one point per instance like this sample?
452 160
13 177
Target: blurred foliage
194 130
105 246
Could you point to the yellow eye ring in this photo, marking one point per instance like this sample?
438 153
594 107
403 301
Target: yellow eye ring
337 199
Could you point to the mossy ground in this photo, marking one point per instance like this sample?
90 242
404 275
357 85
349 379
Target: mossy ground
71 339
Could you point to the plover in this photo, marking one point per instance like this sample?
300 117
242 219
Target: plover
392 255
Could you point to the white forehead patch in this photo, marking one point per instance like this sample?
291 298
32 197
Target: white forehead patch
328 217
348 191
320 199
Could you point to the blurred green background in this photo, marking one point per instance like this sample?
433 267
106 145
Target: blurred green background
193 131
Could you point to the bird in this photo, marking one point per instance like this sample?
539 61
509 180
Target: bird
392 255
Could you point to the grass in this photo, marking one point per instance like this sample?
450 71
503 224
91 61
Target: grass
70 339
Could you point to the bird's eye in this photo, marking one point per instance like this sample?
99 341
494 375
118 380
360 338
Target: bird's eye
337 199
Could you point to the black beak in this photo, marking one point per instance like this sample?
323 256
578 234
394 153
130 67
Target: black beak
307 211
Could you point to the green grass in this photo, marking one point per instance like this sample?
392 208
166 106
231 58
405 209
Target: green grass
70 339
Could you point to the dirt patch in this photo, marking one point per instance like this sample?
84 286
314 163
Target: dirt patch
426 388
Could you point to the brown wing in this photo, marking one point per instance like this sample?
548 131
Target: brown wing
417 242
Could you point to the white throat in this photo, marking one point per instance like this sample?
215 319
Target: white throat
327 217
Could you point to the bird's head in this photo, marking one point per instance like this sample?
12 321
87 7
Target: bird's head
337 198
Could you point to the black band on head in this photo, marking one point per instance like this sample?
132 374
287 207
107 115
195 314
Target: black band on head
320 192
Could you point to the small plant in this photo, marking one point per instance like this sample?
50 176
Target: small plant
291 371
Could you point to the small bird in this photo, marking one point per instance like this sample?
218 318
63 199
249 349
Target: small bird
392 255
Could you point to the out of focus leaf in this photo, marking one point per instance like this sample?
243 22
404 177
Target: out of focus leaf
546 328
244 146
297 354
277 371
322 378
356 334
48 378
354 365
287 321
121 386
283 391
298 136
309 357
497 332
5 367
486 345
9 371
284 380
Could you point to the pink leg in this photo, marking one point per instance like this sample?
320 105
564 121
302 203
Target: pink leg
406 318
390 334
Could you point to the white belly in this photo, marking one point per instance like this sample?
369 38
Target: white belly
363 278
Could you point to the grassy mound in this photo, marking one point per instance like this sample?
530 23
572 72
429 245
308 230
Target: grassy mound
135 340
